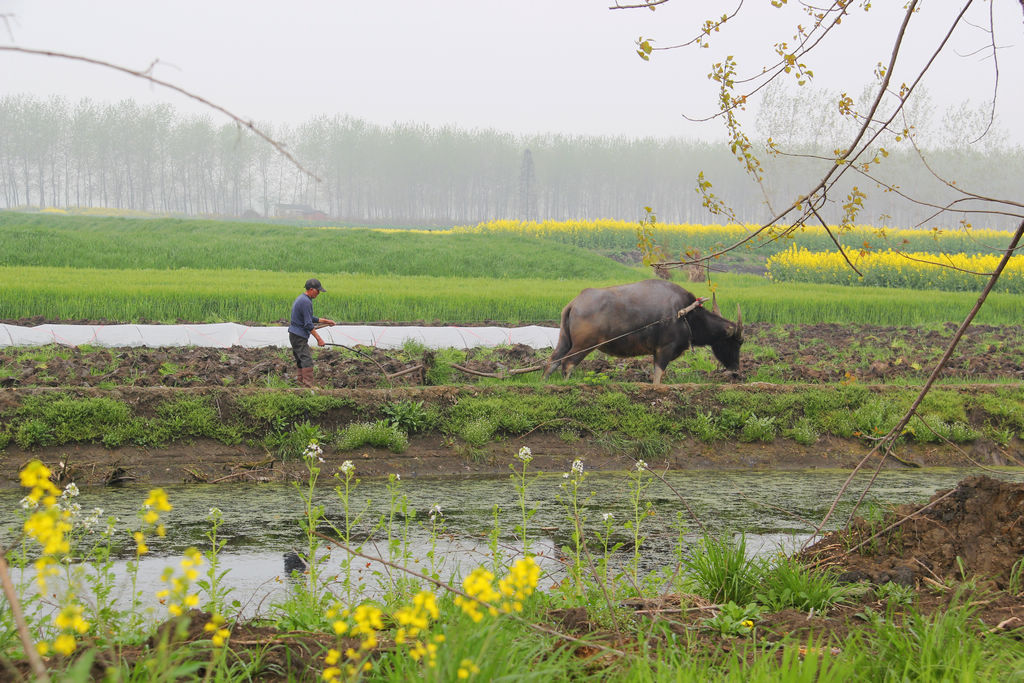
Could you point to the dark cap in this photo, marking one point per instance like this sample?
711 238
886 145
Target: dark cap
313 283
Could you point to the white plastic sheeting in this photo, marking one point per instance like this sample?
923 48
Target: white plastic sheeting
224 335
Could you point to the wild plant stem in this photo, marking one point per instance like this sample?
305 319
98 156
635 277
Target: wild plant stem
35 661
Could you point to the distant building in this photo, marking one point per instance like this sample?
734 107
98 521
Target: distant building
303 211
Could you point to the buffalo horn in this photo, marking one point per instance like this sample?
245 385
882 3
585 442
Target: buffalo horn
714 305
739 322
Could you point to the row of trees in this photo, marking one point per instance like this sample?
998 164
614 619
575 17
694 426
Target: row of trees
153 158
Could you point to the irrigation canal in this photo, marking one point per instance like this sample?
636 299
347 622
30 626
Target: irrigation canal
262 522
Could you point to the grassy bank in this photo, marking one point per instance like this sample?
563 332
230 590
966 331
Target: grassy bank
173 244
631 420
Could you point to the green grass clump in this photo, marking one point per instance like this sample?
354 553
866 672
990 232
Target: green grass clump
278 408
194 416
722 571
788 583
58 419
380 434
289 444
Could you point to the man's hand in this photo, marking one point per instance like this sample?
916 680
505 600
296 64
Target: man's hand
327 322
319 341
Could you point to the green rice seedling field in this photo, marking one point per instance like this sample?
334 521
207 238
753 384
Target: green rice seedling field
252 296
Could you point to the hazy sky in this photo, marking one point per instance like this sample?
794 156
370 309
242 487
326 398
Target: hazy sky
564 66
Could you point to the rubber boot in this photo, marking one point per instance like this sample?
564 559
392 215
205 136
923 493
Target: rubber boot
306 377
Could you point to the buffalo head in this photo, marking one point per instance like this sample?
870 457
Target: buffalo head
727 345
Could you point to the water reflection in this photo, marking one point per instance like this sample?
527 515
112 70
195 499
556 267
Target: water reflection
261 522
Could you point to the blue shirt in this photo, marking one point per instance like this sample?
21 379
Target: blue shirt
303 320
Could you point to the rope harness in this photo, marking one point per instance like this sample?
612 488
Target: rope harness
681 313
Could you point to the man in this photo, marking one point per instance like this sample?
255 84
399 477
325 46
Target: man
303 324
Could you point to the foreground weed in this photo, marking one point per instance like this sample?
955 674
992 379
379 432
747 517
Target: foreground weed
570 498
399 552
941 647
641 508
213 584
347 483
520 481
313 513
895 595
734 620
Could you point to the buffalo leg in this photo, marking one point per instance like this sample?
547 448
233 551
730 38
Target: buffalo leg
572 359
662 357
558 355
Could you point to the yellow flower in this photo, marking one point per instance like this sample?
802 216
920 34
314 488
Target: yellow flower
220 637
467 668
49 529
70 618
140 543
157 500
43 648
36 475
65 644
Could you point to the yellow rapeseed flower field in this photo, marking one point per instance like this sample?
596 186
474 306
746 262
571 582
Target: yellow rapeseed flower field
608 234
915 270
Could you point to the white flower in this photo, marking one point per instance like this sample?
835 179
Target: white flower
27 503
313 450
92 520
641 465
215 513
607 517
70 491
577 467
525 454
435 511
346 467
565 475
398 477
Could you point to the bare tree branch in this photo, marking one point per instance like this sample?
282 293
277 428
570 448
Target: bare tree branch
888 442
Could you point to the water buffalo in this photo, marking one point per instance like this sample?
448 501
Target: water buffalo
639 319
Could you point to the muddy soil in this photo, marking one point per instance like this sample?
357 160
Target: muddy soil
975 529
823 353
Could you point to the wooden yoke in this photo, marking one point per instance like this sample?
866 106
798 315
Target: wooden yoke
696 304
